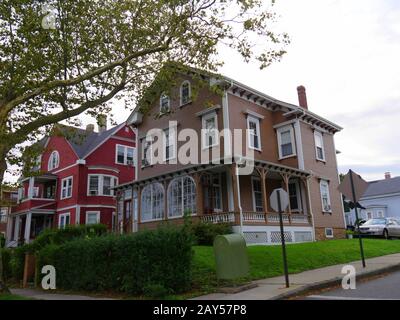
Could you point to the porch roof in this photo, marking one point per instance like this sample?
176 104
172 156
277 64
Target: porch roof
270 166
45 177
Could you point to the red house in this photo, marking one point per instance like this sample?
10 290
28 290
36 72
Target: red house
78 170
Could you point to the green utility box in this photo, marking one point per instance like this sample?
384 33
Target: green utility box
231 257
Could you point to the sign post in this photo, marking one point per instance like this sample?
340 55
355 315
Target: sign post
279 201
353 187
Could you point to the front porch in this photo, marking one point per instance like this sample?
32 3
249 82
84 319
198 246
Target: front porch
217 194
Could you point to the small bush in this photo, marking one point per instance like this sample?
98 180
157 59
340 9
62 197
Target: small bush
156 291
205 233
6 256
132 263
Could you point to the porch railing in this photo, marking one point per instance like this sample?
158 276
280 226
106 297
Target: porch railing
255 218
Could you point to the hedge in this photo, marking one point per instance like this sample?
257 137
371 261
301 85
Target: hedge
6 256
50 237
205 233
149 260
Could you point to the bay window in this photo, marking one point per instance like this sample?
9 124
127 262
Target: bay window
66 188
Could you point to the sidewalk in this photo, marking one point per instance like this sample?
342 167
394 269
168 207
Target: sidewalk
274 288
47 295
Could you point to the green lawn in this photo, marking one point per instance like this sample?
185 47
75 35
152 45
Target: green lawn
266 261
12 297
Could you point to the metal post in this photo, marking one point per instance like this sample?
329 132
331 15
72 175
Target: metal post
285 267
355 208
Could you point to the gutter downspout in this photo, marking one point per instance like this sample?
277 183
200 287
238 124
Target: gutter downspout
311 211
239 199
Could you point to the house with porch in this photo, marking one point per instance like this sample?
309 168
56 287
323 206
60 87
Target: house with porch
73 180
252 144
8 199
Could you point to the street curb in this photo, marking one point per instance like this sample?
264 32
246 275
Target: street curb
335 281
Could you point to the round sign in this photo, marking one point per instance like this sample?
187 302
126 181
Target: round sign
284 198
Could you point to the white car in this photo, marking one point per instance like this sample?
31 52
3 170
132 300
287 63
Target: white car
383 227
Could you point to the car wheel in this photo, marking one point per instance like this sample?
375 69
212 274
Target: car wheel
386 234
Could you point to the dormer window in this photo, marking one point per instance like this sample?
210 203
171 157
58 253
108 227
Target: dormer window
185 93
165 104
54 161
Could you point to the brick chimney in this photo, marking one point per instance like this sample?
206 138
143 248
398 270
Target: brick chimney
388 175
301 91
102 122
90 128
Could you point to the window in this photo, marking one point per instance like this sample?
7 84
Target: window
3 215
210 130
147 151
181 197
101 185
63 220
152 202
326 201
319 146
370 215
66 188
185 93
380 214
92 217
36 192
253 126
329 232
124 155
169 144
257 195
54 161
212 193
294 196
164 103
286 142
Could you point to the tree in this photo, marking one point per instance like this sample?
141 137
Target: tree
59 58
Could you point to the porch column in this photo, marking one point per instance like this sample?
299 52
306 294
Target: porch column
16 228
31 186
236 195
306 183
199 194
263 176
28 227
10 220
139 205
165 184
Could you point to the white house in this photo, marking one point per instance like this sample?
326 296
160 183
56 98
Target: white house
382 199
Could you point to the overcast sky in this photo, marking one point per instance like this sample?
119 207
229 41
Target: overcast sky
347 54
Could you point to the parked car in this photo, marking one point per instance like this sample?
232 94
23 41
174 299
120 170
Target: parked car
383 227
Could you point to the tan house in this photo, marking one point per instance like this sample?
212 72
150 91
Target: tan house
238 129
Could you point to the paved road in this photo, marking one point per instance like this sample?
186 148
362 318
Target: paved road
384 287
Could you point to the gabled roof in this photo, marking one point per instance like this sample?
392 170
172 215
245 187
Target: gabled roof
83 142
383 187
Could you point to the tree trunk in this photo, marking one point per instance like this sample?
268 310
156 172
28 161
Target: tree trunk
3 168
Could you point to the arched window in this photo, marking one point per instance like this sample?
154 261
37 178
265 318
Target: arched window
185 92
165 104
181 197
54 161
152 202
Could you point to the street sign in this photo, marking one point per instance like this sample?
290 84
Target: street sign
360 186
353 188
273 200
279 201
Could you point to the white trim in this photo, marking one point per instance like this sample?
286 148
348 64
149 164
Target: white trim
92 212
310 208
253 114
78 214
78 162
284 124
50 161
258 132
229 186
180 93
208 110
320 135
64 215
299 144
329 236
279 132
104 168
125 163
212 115
100 185
62 187
225 118
85 206
388 195
123 138
321 182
